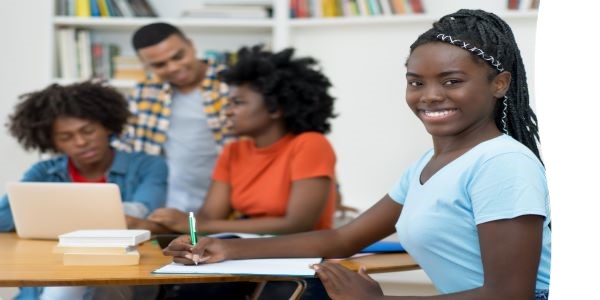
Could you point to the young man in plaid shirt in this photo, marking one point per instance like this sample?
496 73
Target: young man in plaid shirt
179 114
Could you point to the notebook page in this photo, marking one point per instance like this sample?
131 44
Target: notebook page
271 266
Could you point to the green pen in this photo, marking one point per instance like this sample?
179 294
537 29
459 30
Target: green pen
192 228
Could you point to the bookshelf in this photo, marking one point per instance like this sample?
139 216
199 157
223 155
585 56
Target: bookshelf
214 35
391 20
133 23
278 31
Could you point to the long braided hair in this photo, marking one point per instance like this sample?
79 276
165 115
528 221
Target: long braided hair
493 37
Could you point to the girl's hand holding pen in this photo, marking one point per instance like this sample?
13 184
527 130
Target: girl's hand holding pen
206 250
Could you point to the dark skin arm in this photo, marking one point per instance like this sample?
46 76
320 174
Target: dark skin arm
307 200
376 223
136 223
510 251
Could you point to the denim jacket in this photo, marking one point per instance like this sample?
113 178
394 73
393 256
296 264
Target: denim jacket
142 179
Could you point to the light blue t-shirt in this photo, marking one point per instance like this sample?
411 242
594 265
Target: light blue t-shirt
497 179
191 152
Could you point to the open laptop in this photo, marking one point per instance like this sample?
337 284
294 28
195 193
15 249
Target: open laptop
44 210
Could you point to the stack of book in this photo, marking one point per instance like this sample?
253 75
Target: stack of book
101 247
129 68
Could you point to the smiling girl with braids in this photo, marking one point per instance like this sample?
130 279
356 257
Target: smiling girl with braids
473 211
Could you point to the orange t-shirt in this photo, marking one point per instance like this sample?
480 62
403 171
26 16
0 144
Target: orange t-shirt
261 178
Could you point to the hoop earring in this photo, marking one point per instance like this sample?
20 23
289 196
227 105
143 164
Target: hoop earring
504 115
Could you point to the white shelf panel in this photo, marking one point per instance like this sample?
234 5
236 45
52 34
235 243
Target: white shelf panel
117 83
133 23
396 19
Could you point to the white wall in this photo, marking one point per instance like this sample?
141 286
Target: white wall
25 67
25 31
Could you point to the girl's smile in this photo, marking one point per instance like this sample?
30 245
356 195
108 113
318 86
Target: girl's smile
449 91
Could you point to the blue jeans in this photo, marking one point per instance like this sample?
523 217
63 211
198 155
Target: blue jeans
541 294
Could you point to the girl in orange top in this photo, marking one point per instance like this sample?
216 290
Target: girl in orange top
281 177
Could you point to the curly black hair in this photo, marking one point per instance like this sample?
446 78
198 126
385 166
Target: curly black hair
32 121
493 35
293 85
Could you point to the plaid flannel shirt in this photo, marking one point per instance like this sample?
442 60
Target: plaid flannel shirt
150 104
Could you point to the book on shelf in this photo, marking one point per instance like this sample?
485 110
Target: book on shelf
398 6
363 8
350 8
83 8
84 54
523 4
103 238
102 56
131 257
67 51
227 11
102 60
513 4
105 8
142 8
95 8
386 7
221 57
331 8
81 58
123 8
417 6
374 7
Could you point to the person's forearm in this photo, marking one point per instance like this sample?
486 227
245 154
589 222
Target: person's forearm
267 225
322 243
155 228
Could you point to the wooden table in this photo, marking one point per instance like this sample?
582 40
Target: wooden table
33 263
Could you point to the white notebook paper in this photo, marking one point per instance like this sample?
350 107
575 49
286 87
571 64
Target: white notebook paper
271 266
